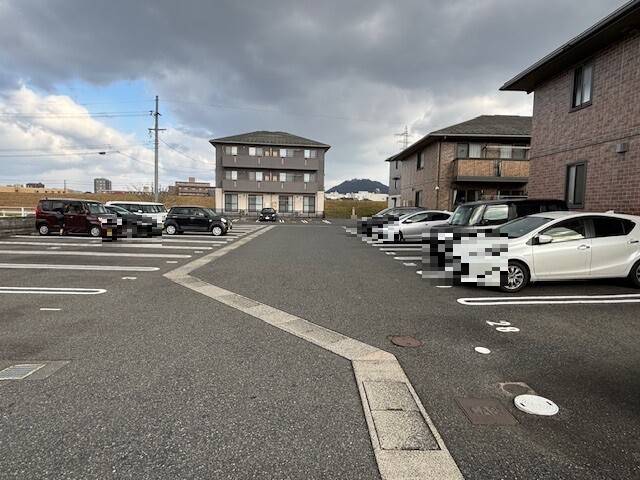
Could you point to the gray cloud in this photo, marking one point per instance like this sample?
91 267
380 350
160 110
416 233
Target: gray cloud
427 62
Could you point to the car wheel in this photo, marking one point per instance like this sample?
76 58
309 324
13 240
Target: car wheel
171 230
516 279
634 275
95 231
216 230
44 229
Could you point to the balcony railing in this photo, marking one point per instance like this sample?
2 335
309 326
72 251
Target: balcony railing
252 186
269 163
490 170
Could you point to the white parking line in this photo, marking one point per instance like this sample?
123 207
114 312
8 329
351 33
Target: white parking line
115 245
45 266
53 291
92 254
407 259
327 222
50 309
551 300
409 264
401 248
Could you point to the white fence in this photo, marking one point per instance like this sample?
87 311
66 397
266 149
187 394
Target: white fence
16 211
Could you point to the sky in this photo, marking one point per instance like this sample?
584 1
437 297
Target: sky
78 78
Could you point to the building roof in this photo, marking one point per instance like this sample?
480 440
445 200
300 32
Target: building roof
263 137
620 23
498 127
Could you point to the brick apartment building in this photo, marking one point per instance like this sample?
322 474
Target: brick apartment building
585 144
483 158
191 187
269 169
101 185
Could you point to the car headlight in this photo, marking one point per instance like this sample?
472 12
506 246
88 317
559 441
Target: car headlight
103 219
224 220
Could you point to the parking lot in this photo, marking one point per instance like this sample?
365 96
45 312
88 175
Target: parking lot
157 359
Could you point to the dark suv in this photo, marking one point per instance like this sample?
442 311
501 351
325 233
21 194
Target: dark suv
189 218
70 215
488 213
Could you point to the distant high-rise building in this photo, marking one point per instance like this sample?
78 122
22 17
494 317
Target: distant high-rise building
101 185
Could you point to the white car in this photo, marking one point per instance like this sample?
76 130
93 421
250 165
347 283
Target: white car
411 226
157 211
571 246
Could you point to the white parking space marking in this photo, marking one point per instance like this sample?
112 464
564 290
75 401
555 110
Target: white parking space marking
407 259
390 253
45 266
327 222
53 291
109 244
129 278
409 264
551 300
50 309
91 254
172 261
400 247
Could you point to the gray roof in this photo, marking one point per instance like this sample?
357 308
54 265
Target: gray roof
263 137
482 127
622 22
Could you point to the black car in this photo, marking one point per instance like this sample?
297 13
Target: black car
371 226
489 213
268 214
189 218
133 225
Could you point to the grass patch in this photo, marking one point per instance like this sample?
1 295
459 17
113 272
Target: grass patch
343 208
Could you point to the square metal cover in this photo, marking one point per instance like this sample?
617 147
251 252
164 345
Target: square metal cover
485 411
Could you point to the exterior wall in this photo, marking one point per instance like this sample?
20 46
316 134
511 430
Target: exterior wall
270 190
395 187
438 191
561 136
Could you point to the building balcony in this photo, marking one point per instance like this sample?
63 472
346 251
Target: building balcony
270 163
490 170
252 186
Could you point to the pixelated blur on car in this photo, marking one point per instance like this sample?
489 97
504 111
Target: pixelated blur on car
371 226
131 225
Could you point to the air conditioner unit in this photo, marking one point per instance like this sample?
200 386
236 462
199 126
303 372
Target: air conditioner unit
622 147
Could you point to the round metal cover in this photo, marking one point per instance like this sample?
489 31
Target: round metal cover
536 405
406 341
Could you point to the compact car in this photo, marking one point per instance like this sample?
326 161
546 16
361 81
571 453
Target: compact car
189 218
268 215
71 215
133 225
411 226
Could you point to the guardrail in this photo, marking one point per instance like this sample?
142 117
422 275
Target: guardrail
16 211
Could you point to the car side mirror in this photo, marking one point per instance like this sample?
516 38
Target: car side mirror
544 239
408 221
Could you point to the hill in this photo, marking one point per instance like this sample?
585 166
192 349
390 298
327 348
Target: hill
359 185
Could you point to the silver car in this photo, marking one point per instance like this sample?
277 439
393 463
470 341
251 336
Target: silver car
410 227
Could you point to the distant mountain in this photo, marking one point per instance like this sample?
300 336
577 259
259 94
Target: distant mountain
359 185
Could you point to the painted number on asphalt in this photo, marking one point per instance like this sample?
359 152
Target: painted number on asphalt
503 326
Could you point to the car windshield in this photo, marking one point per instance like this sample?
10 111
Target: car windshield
467 215
521 226
119 210
153 208
96 208
268 210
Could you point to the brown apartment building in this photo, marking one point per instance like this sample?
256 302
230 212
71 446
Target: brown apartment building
269 169
585 143
483 158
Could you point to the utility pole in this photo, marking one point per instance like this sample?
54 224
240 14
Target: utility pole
155 129
404 141
65 186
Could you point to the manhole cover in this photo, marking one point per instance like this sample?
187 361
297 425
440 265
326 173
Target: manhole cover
401 341
485 411
536 405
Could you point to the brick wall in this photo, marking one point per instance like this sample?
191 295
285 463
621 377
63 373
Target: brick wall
561 136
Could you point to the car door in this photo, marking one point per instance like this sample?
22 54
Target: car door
199 219
614 247
412 227
181 217
75 220
568 256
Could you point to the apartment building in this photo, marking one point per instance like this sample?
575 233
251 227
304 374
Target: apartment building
191 187
585 142
101 185
483 158
269 169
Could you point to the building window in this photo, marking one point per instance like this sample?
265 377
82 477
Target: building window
231 202
576 182
465 195
582 85
469 150
231 174
255 203
287 177
275 152
418 199
395 182
286 152
310 153
255 151
420 161
228 150
256 176
519 151
285 203
309 204
397 164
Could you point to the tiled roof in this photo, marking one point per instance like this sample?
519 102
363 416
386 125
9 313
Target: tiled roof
489 126
263 137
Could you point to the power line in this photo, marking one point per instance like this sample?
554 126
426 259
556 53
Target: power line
184 154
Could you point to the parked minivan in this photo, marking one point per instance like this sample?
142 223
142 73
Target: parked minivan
156 211
77 216
488 213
